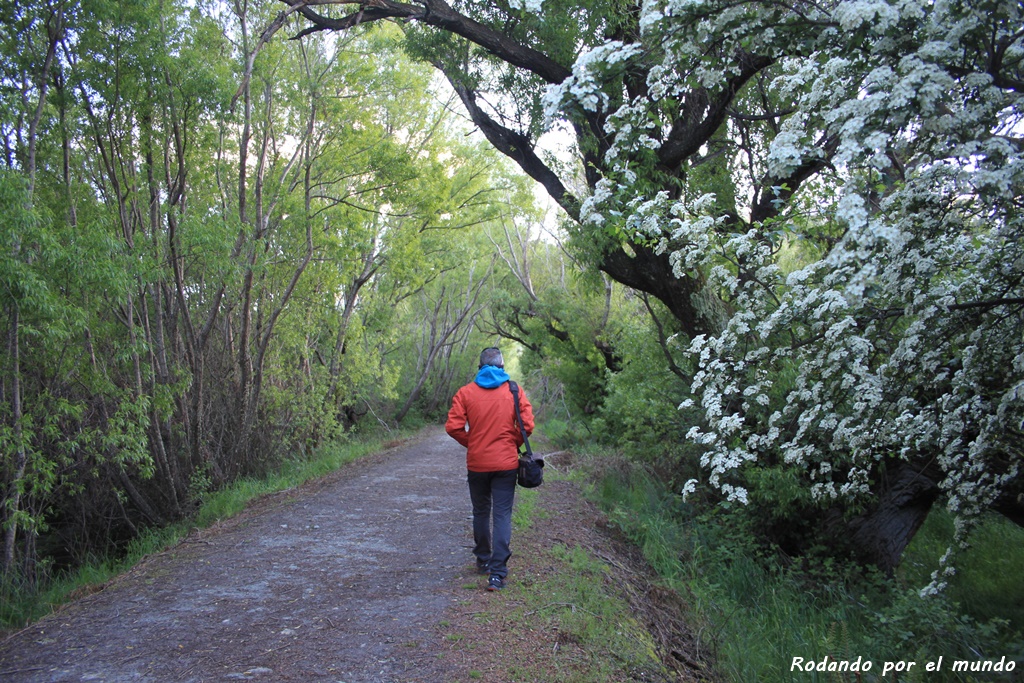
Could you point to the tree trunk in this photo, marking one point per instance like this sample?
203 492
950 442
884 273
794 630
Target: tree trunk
370 266
13 499
905 496
698 311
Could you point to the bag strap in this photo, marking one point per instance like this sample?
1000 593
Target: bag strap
514 388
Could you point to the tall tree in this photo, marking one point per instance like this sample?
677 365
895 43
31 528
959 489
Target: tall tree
206 282
508 61
568 320
38 30
706 132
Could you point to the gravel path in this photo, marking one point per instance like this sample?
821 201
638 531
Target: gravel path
344 580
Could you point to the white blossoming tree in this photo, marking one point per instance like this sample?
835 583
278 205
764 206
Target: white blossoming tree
826 196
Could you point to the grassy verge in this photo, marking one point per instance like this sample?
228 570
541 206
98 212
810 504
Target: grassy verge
757 614
20 606
565 615
592 636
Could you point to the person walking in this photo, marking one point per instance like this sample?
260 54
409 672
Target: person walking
483 419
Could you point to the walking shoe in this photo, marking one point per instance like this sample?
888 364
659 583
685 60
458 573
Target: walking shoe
495 583
482 567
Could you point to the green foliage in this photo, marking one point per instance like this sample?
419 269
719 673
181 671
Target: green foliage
573 324
26 247
565 434
216 261
49 274
595 622
525 509
986 586
641 412
758 611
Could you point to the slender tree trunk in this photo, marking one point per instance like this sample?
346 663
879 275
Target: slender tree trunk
154 323
252 403
370 266
441 332
54 34
13 497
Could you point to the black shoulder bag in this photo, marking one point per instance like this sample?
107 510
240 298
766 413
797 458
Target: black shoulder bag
531 469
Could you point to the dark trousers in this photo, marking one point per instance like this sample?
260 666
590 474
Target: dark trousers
492 495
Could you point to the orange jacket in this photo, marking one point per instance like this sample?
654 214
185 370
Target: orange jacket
484 421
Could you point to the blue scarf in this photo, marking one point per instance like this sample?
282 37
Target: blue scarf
491 377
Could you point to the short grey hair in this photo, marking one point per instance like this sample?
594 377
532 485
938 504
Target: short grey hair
492 356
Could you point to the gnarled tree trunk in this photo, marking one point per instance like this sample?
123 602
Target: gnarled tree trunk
881 534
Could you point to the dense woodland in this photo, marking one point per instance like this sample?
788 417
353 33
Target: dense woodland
787 271
207 271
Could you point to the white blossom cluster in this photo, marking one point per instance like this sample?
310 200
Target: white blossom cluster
904 341
534 6
585 86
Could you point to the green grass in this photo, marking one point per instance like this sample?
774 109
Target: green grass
564 608
577 610
20 605
591 635
990 581
756 614
231 500
525 509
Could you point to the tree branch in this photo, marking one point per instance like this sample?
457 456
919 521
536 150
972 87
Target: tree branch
517 147
701 114
770 200
438 14
663 341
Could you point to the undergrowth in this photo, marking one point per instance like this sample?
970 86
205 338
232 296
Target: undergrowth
757 611
21 604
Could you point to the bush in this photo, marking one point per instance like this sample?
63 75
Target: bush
758 608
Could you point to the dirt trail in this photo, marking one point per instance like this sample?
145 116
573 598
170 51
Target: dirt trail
344 580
